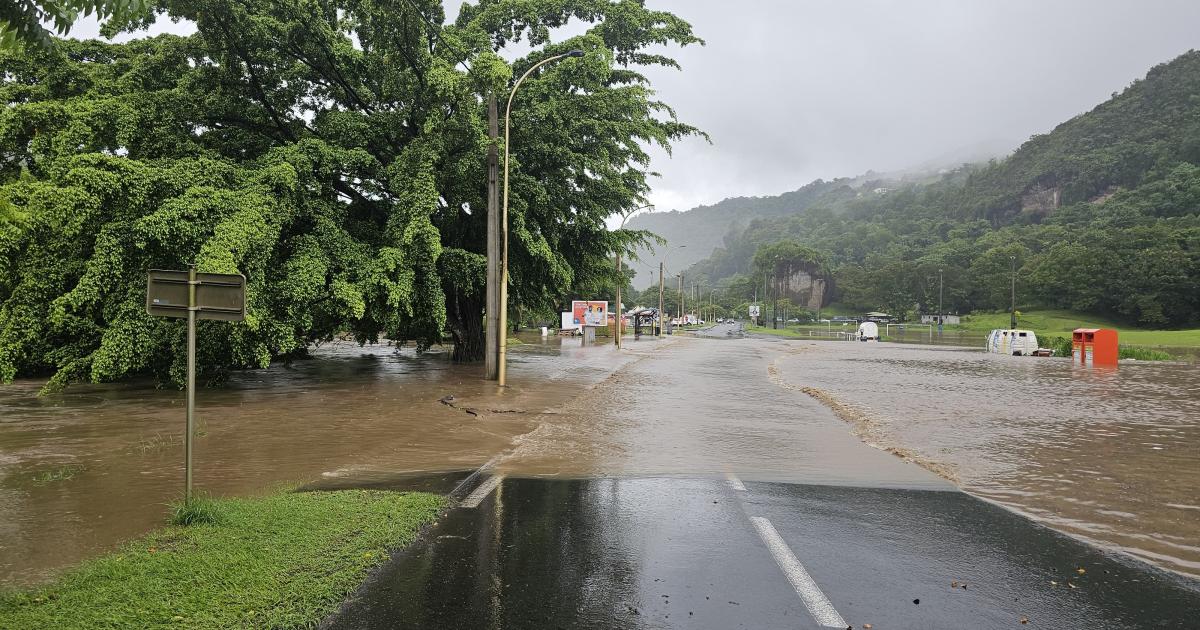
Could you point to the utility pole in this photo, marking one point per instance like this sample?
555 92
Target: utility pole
775 301
491 356
619 310
754 320
941 316
681 306
1012 321
661 320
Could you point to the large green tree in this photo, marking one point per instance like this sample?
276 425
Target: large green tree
334 152
23 22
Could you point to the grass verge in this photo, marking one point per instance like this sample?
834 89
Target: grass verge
281 561
794 332
1061 323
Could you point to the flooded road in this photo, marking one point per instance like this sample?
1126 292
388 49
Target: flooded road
704 407
1112 456
83 470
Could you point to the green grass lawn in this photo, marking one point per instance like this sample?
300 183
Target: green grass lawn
792 331
1061 323
281 561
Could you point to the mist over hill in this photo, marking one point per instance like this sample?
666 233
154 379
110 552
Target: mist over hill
1100 215
693 235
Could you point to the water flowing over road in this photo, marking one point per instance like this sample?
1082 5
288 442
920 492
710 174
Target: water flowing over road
1112 456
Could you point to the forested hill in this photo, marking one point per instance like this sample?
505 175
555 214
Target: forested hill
1101 216
693 235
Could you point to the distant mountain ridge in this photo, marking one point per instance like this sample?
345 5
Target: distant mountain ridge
1100 215
693 235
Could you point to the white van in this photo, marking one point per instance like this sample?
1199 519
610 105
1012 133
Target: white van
868 331
1015 342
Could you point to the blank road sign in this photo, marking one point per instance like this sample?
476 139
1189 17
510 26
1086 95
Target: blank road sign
219 296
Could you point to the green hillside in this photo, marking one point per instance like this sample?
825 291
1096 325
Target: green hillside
1099 216
693 235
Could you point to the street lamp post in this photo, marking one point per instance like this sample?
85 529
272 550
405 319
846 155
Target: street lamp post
680 276
620 280
1012 321
503 327
941 316
661 321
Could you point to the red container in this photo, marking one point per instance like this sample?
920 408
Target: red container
1097 346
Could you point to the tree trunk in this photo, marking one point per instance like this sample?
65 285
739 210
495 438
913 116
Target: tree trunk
465 320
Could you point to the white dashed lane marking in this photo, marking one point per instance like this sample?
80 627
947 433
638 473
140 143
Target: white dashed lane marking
814 600
479 494
735 483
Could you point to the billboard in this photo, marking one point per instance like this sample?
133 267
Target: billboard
589 313
753 310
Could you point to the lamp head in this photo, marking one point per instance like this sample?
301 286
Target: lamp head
575 53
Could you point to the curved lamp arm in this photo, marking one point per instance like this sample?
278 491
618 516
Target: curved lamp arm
503 363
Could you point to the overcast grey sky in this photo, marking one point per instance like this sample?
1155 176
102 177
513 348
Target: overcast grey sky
793 90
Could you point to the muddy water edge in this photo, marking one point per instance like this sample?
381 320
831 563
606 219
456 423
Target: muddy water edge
1110 456
84 470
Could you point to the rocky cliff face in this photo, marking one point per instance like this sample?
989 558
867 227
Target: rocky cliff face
805 289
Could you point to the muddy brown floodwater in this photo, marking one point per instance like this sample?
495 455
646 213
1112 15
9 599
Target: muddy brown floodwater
1112 456
83 470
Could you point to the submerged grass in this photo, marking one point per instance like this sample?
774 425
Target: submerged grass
282 561
1142 354
62 473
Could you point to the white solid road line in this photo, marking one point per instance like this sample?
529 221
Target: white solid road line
734 482
480 493
814 600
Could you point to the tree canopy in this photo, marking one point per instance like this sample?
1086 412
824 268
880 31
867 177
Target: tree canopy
332 151
22 22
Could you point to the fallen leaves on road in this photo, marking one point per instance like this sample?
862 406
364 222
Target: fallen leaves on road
1024 619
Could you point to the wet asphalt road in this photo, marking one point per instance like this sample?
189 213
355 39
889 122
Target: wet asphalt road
706 551
684 553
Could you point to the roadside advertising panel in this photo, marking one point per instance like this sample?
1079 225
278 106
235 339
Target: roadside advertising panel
589 313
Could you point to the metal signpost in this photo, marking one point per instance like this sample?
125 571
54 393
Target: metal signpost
219 296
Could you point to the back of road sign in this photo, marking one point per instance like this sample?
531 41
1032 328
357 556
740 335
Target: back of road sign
220 296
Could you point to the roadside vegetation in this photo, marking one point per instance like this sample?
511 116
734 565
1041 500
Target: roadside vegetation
282 561
334 152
